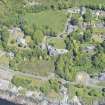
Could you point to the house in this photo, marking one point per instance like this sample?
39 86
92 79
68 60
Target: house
89 48
98 13
15 32
18 35
102 77
82 10
54 52
71 28
11 54
73 10
21 41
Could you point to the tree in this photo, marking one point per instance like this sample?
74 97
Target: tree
93 92
87 16
45 88
98 62
103 44
68 42
37 36
4 36
63 67
54 85
87 35
12 63
26 27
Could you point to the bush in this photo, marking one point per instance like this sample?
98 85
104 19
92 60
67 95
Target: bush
54 85
93 92
45 88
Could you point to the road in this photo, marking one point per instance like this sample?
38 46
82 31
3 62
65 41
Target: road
10 73
94 85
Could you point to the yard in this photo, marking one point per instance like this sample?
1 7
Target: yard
57 43
55 20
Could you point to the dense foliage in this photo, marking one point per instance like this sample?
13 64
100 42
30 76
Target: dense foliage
40 23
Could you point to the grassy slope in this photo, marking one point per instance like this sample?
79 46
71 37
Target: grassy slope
41 67
54 19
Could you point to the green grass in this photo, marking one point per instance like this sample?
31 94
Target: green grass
39 67
26 82
58 43
53 19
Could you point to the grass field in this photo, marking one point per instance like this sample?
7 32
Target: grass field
53 19
57 43
41 67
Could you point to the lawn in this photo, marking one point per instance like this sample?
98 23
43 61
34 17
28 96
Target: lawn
58 43
39 67
26 82
53 19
